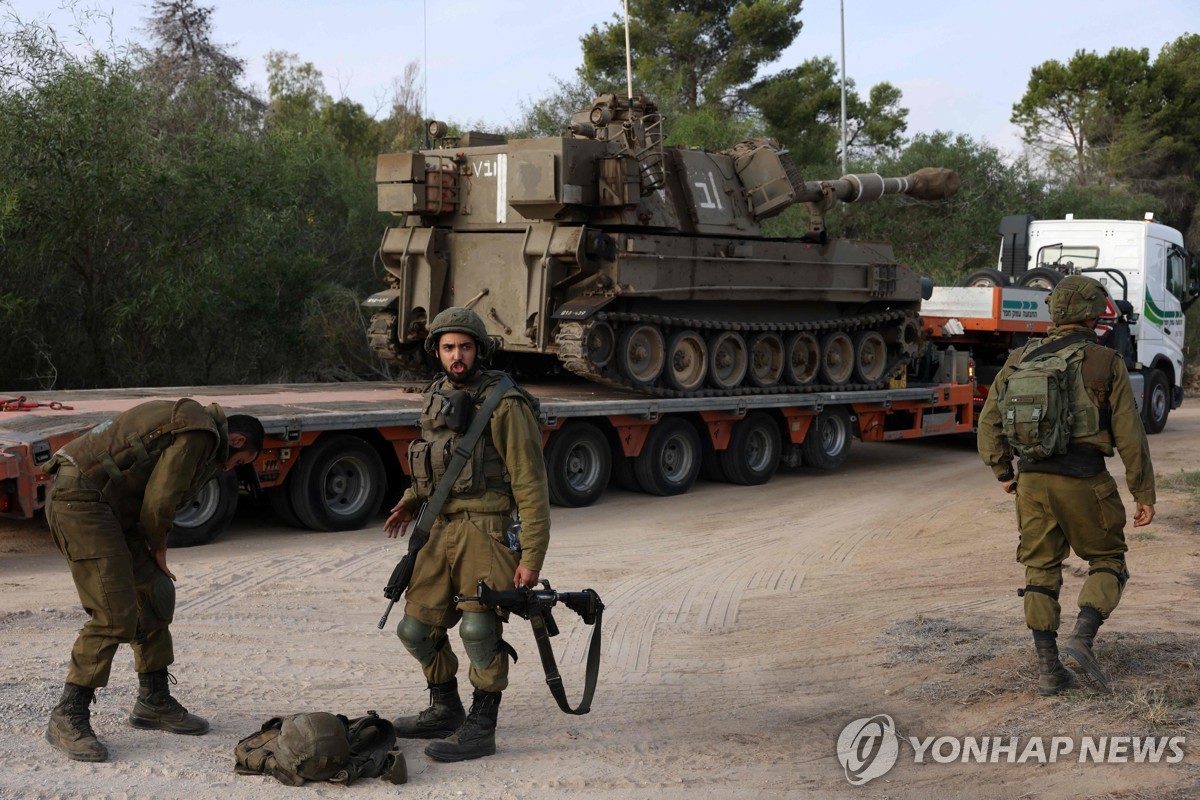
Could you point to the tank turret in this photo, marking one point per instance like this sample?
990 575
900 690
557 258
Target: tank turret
642 266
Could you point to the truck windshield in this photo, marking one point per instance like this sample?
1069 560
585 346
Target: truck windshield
1069 255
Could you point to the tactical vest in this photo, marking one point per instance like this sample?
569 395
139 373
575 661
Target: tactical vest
1044 402
321 746
118 455
442 428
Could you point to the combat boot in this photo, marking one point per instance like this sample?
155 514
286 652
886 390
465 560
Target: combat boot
476 737
156 709
1053 676
1079 645
70 728
443 717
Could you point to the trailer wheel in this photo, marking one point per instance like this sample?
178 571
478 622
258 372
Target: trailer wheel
670 459
281 506
203 518
337 485
986 278
1040 278
578 465
828 440
1156 407
753 453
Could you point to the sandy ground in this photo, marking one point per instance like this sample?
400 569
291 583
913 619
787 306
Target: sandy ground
746 627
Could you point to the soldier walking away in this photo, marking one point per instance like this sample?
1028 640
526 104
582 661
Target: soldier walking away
111 506
469 539
1061 431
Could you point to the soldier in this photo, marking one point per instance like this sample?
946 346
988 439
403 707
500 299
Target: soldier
1069 501
467 542
111 506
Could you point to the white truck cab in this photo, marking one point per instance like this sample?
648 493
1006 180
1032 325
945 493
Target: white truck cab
1150 277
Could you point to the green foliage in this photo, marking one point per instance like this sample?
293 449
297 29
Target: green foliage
162 235
692 53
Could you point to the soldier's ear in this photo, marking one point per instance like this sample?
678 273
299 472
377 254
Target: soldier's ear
237 440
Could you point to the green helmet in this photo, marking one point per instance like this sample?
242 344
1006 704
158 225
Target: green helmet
1077 298
311 747
459 320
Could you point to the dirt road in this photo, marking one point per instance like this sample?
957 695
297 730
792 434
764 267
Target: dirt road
746 627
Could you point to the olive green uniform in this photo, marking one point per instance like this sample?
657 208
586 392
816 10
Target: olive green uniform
467 542
112 503
1070 501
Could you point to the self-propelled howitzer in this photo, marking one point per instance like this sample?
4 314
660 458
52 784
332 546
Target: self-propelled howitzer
641 266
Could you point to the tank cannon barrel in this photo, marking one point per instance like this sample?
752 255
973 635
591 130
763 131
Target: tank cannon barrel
930 183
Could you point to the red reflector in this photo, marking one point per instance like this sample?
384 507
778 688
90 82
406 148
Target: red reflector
6 503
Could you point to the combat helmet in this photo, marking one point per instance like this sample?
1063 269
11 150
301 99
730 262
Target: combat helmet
311 747
457 319
1077 298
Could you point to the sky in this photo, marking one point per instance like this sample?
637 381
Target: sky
960 65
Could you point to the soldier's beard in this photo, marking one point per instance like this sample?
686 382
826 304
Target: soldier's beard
464 377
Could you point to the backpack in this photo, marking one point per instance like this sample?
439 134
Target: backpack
320 746
1036 399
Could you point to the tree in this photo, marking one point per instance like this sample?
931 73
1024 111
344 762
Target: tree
802 108
689 53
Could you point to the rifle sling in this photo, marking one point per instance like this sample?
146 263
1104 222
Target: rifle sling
466 445
1060 344
553 678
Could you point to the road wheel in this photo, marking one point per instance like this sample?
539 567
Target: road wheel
803 359
727 361
1156 406
828 440
578 465
766 359
1040 278
870 356
670 459
687 361
987 278
753 453
641 354
337 484
203 518
837 358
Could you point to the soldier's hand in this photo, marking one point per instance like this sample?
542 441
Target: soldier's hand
160 558
525 577
397 523
1009 486
1144 515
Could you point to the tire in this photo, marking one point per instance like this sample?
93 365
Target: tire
1040 278
578 465
986 277
753 453
670 459
828 441
1157 404
337 484
203 518
281 506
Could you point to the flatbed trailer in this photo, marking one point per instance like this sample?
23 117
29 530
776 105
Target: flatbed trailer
335 452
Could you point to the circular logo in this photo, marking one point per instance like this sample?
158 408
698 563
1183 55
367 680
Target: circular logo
868 748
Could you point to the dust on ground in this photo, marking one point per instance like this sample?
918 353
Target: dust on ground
745 628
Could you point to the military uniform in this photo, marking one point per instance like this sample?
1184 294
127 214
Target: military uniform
111 505
467 542
1070 501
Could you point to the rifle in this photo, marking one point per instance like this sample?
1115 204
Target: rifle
535 605
402 574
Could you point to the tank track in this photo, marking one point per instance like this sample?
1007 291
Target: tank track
573 350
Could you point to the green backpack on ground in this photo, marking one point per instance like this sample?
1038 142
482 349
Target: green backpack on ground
1041 406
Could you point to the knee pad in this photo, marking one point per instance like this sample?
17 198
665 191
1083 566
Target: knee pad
418 639
480 632
159 608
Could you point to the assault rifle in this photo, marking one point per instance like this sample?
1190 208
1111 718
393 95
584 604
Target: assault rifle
402 574
534 605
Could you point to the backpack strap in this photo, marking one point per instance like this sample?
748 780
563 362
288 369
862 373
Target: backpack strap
1058 344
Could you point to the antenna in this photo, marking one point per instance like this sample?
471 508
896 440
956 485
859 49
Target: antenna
845 169
425 76
628 59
